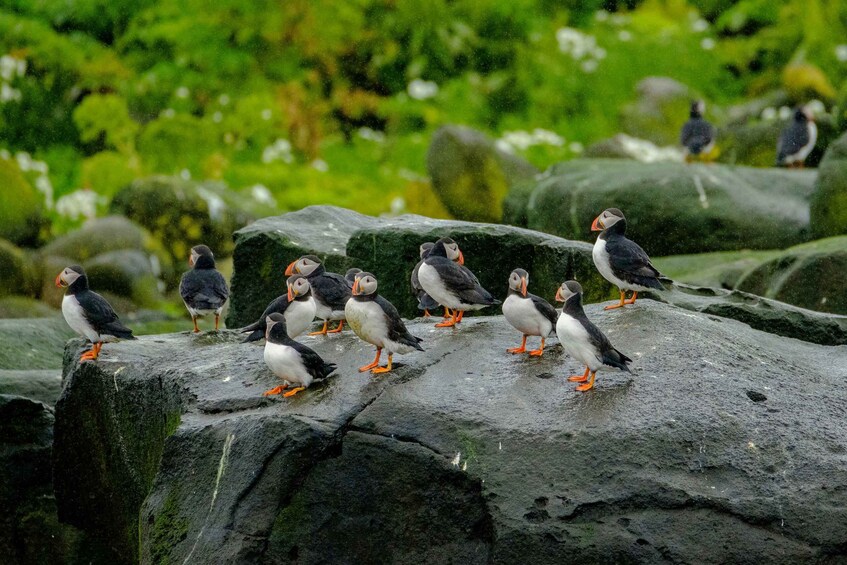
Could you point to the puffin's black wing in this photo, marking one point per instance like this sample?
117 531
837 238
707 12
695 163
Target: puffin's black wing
792 139
101 316
416 283
203 289
608 354
696 134
461 281
333 290
630 263
545 308
313 362
426 302
257 328
397 330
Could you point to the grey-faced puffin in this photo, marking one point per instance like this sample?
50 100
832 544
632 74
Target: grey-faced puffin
330 290
528 313
697 135
797 140
443 276
293 362
88 313
375 320
621 261
203 288
350 276
297 305
583 340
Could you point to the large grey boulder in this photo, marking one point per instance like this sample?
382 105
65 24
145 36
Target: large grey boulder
33 343
464 453
673 208
829 202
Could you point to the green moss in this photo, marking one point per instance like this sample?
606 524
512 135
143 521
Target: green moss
168 530
172 421
20 205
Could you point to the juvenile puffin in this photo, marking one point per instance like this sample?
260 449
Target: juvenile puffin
203 288
697 135
443 276
88 313
621 261
797 140
528 313
330 290
297 305
582 339
375 320
289 360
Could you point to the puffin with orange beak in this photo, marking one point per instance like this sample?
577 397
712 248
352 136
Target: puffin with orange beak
297 305
528 313
425 301
444 277
583 340
331 290
203 288
621 261
88 313
376 321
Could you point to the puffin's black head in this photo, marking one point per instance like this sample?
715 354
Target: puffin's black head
446 247
305 265
425 248
201 257
607 219
568 290
275 329
518 281
350 275
72 277
364 285
803 115
298 285
697 109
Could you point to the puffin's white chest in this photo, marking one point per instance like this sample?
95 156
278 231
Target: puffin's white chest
432 283
75 317
299 315
525 317
367 319
286 363
574 338
325 312
604 265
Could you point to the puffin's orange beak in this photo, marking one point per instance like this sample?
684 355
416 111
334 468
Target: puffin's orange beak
461 258
523 286
290 294
356 287
289 270
191 260
559 297
597 225
59 282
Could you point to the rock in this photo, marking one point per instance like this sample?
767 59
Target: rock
623 146
389 249
20 205
829 201
471 175
674 208
127 273
23 307
37 343
660 110
42 385
811 275
16 272
721 269
754 143
97 236
465 453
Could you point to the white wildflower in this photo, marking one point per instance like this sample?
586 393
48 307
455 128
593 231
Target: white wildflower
420 89
547 137
769 113
576 147
262 195
504 146
11 67
647 152
168 113
80 203
24 161
185 174
9 94
699 25
816 107
589 65
575 43
601 15
279 150
784 113
841 53
625 35
320 165
398 205
182 92
215 203
620 19
371 135
217 117
223 99
707 43
45 187
267 114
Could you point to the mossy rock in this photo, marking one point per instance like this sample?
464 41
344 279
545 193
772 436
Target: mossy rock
673 208
25 307
98 236
811 276
659 111
753 143
829 201
470 175
20 205
721 269
17 275
38 343
128 273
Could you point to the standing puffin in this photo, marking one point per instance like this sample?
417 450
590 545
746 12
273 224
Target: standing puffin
621 261
330 290
375 320
297 305
583 340
425 301
697 135
289 360
443 276
528 313
797 140
88 313
203 288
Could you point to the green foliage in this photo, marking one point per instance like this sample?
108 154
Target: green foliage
20 205
105 118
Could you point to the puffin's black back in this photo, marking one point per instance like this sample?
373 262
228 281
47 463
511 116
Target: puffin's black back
608 354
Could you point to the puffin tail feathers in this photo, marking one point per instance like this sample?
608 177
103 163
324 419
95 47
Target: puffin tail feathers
118 330
615 358
328 369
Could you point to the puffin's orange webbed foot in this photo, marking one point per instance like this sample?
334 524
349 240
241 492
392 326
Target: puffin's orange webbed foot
632 300
275 390
589 385
338 329
426 313
537 352
516 350
579 378
293 391
322 331
196 329
377 370
619 305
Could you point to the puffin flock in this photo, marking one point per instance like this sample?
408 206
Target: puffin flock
439 279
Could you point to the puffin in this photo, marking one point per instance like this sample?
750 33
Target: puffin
425 301
350 276
697 135
203 288
621 261
583 340
297 305
444 277
376 321
528 313
797 140
88 313
289 360
330 290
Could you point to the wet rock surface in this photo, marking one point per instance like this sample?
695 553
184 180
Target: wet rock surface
464 453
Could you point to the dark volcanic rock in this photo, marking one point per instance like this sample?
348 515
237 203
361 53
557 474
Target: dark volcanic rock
464 453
